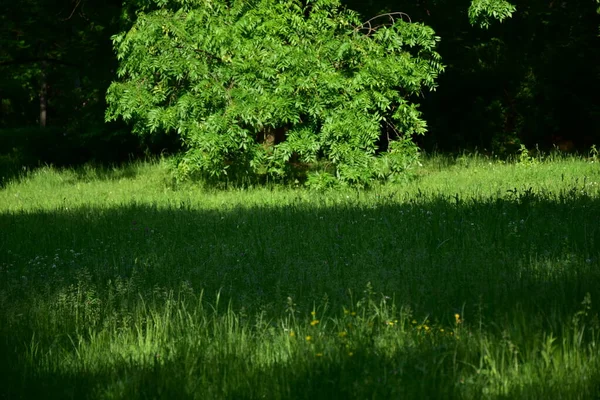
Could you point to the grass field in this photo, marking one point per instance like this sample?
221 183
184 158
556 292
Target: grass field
477 279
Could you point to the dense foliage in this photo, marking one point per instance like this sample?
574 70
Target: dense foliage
484 12
522 72
254 85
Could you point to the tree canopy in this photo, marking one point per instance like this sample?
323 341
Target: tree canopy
252 84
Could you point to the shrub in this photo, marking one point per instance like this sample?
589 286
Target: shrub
251 86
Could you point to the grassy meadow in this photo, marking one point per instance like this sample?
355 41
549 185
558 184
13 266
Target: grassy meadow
476 279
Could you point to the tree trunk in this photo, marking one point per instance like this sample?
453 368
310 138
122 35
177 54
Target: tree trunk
43 95
272 136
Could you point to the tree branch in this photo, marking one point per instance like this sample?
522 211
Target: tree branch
367 26
73 12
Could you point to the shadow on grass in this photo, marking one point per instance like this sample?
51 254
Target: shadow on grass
234 378
26 149
431 253
420 373
520 263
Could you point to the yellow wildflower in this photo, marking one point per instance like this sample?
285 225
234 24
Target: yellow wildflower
343 334
313 313
457 318
308 338
314 322
350 353
292 334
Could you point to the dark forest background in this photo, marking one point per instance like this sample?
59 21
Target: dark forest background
533 79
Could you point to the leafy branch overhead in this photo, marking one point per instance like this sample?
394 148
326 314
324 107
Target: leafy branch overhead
484 12
253 85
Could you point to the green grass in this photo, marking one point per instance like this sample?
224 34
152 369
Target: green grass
477 279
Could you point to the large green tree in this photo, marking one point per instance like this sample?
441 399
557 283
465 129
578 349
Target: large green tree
252 85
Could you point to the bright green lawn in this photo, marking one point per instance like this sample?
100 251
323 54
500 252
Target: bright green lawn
475 280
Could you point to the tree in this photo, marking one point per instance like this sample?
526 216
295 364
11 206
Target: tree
254 85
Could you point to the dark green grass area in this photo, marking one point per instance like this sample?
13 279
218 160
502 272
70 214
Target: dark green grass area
435 253
398 294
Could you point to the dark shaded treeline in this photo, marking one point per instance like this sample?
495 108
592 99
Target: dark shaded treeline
56 62
532 79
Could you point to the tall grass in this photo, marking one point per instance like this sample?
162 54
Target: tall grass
478 279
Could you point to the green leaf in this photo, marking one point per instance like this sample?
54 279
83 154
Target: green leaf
483 12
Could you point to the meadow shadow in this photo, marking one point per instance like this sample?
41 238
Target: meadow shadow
488 260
